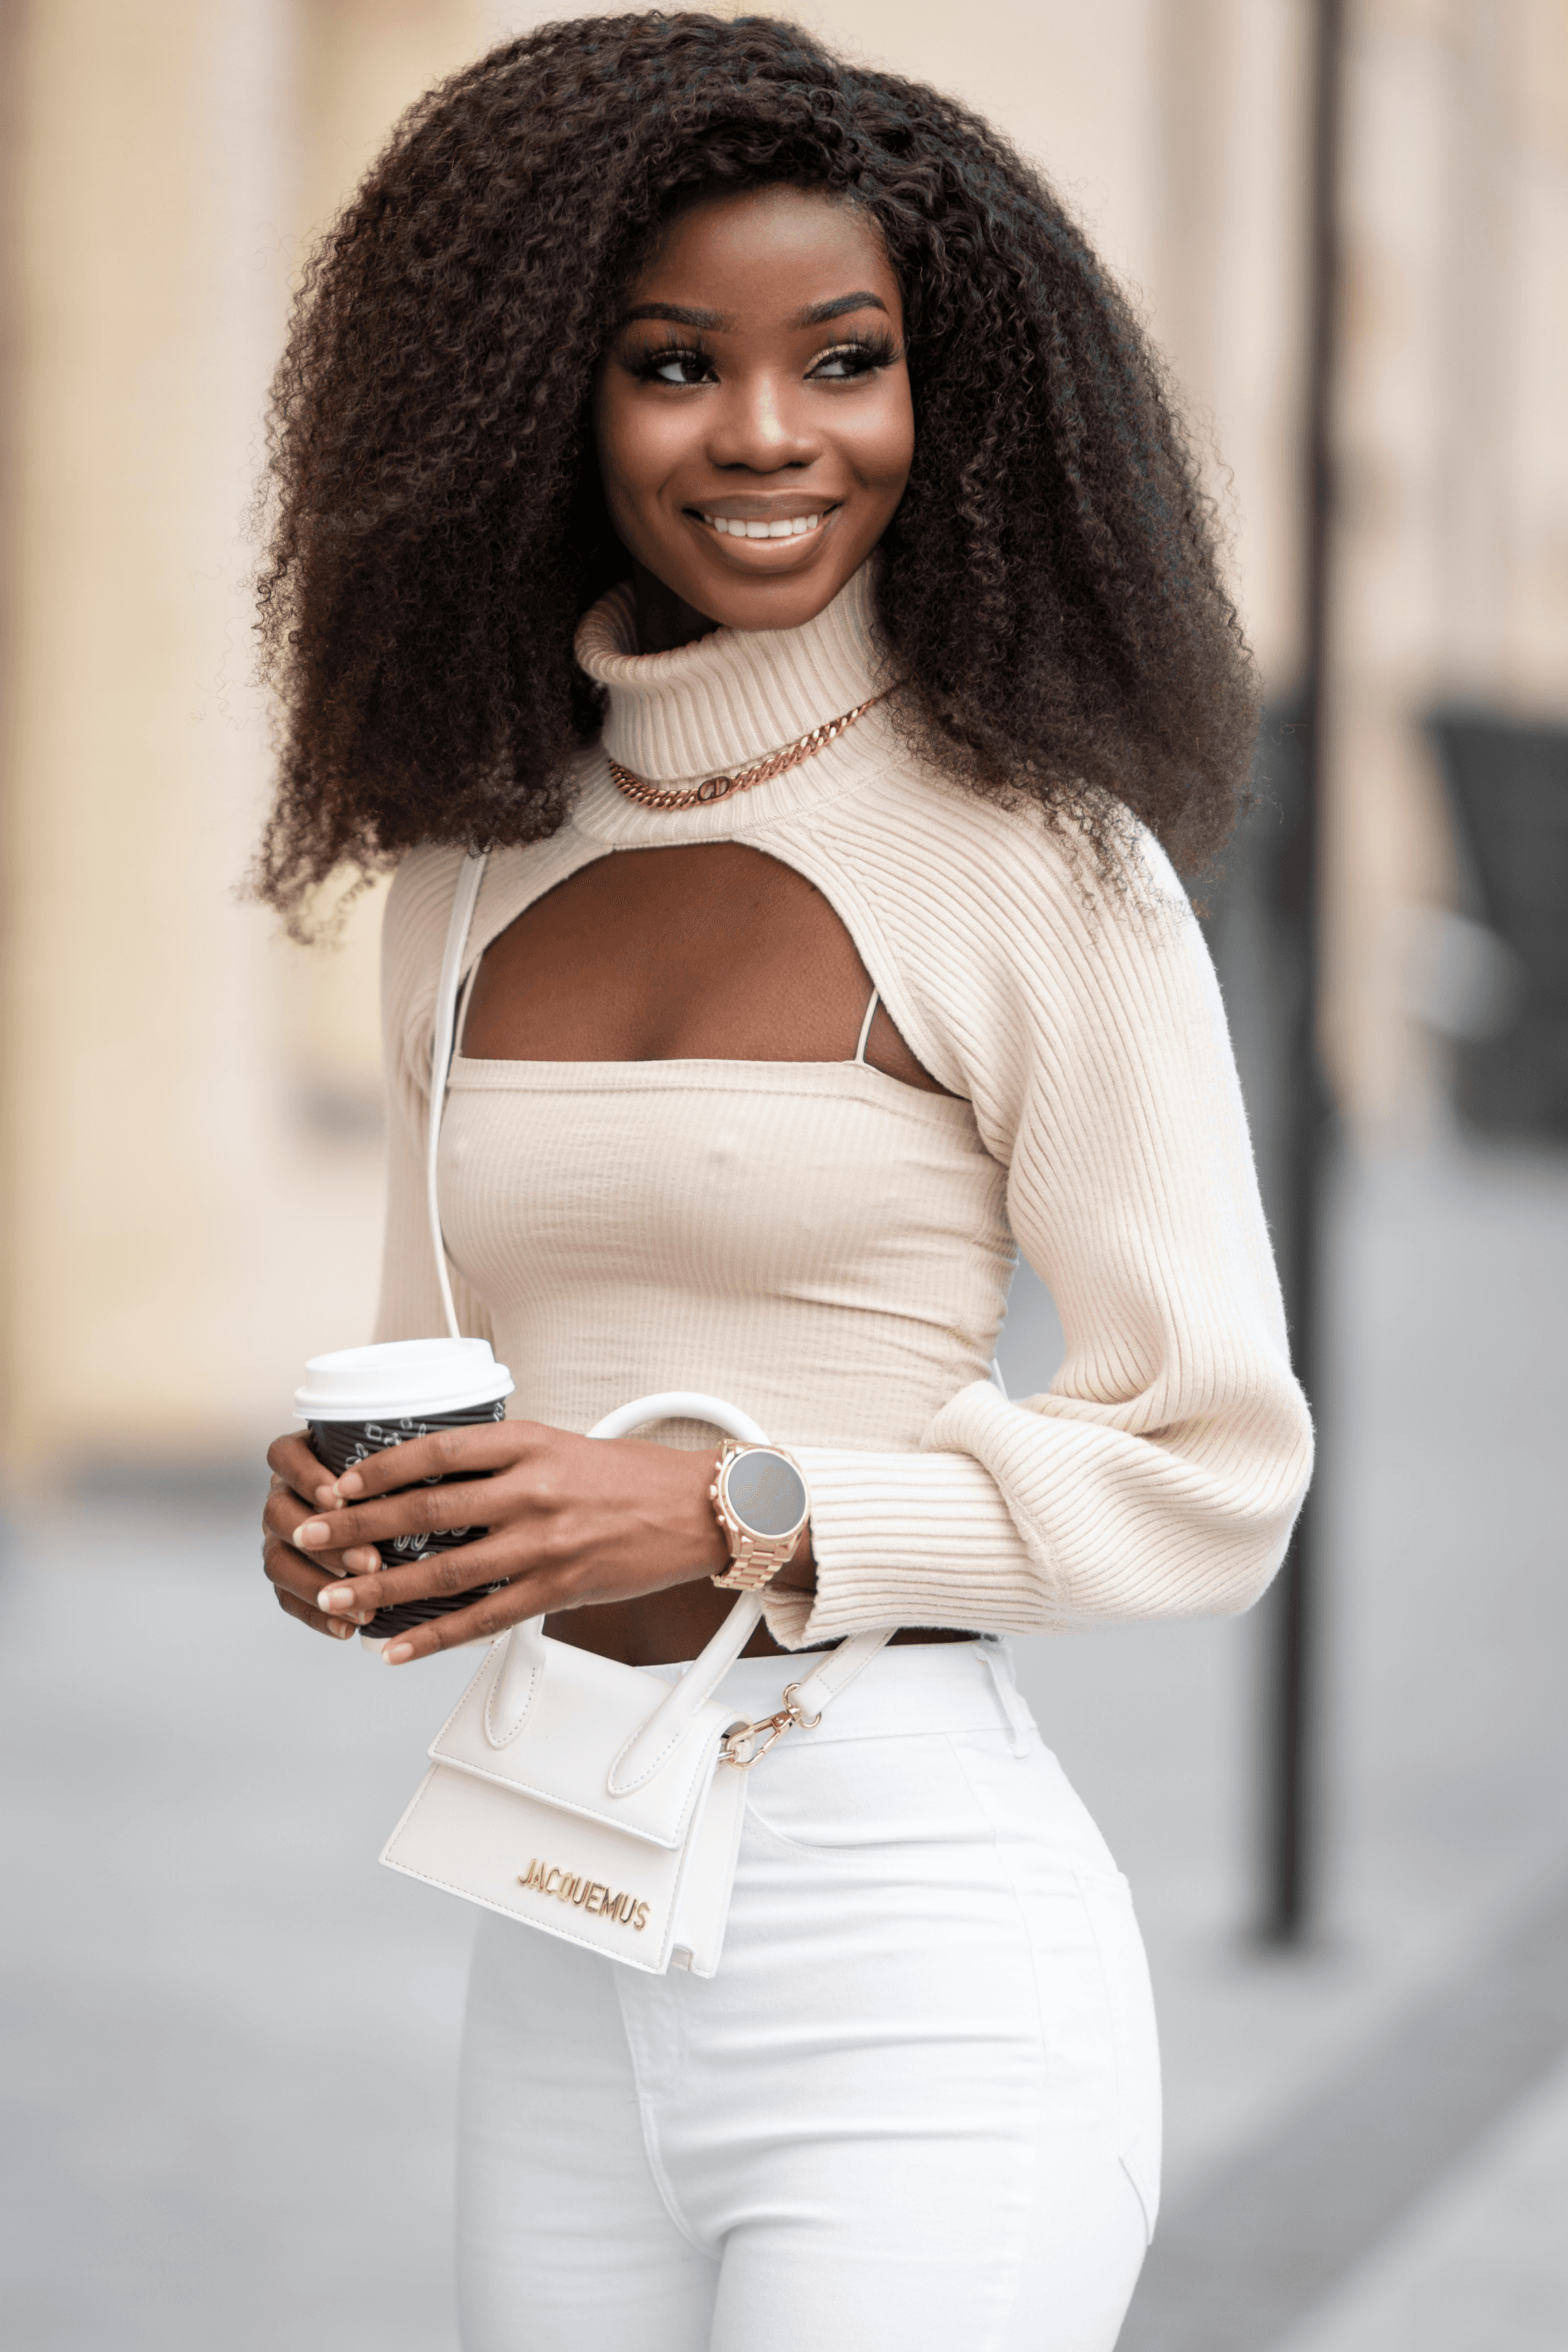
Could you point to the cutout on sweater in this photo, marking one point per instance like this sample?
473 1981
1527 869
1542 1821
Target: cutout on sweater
703 951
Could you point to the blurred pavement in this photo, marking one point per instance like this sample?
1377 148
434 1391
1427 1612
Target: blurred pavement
229 2038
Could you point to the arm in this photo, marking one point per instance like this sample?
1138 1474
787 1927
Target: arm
1160 1474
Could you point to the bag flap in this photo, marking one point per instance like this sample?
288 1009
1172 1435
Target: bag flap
585 1710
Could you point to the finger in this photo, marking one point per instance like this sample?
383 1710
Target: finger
423 1511
437 1576
288 1573
283 1515
340 1629
481 1622
444 1454
291 1459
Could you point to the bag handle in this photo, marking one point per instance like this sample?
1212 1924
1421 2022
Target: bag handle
660 1735
522 1669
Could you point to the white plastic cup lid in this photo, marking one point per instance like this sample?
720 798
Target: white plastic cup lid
402 1379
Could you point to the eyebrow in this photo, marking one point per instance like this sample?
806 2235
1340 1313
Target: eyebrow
677 313
816 314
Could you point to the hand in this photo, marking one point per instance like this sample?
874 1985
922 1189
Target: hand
573 1521
300 1483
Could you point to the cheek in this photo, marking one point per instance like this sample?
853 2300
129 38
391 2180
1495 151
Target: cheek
885 444
638 444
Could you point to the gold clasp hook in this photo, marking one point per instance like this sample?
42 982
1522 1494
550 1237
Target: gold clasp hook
737 1748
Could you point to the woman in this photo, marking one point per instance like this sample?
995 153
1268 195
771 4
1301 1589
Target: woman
722 480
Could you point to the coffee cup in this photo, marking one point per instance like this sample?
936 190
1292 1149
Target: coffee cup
359 1400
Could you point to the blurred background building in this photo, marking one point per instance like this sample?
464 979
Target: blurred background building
189 1124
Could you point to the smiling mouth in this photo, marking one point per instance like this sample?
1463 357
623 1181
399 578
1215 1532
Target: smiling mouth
786 527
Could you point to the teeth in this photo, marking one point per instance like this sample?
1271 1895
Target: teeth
796 528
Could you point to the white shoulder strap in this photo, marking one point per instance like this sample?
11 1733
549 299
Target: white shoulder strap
457 931
862 1039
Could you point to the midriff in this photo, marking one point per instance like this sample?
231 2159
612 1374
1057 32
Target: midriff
664 1629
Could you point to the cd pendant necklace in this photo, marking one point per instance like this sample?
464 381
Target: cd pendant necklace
719 788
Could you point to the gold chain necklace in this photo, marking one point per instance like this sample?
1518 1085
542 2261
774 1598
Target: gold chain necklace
719 788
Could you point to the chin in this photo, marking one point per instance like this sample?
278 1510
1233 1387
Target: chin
786 602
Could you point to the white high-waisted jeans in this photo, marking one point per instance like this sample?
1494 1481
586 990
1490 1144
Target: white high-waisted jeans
918 2106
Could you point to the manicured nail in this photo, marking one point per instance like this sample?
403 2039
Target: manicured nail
314 1531
335 1625
351 1483
397 1653
335 1596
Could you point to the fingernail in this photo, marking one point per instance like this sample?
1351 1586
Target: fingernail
396 1653
314 1531
337 1627
325 1496
362 1559
351 1483
335 1596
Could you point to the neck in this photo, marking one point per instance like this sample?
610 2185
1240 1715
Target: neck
665 622
679 713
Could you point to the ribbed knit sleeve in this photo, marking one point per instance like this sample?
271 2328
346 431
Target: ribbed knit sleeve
1160 1474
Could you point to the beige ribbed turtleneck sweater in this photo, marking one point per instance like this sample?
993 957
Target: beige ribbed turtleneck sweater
603 1218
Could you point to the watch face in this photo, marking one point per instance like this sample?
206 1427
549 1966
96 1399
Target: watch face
766 1493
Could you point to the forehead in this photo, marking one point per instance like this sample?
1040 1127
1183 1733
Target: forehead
763 249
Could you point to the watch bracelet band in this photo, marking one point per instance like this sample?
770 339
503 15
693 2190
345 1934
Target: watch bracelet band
754 1560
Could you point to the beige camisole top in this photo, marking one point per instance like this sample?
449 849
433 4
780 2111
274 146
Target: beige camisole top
820 1243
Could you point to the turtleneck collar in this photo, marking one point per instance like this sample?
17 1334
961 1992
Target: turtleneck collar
732 696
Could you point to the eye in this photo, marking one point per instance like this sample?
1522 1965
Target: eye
844 362
673 363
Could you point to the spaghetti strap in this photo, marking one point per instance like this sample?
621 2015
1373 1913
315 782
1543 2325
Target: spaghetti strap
865 1025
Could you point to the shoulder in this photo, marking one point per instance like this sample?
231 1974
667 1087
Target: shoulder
1006 934
413 933
1002 872
420 900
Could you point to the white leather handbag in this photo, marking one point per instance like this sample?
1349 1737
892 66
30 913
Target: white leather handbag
569 1792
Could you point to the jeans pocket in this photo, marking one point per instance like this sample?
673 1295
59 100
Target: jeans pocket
1108 1899
841 1800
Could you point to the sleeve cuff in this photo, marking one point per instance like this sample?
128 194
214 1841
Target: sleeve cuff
908 1540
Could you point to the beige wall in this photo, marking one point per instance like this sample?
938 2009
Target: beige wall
190 1178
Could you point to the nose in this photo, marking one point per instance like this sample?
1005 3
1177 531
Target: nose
761 424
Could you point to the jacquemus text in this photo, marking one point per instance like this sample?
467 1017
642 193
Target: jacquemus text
587 1894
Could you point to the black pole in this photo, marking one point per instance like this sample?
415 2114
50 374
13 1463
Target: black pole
1290 1856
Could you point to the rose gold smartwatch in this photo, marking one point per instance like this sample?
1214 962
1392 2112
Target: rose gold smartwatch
762 1505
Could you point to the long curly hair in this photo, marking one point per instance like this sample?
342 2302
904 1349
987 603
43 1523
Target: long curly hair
1048 591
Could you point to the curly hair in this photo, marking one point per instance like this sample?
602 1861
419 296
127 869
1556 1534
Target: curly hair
1048 591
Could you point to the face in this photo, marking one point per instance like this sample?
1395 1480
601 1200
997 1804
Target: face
752 413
